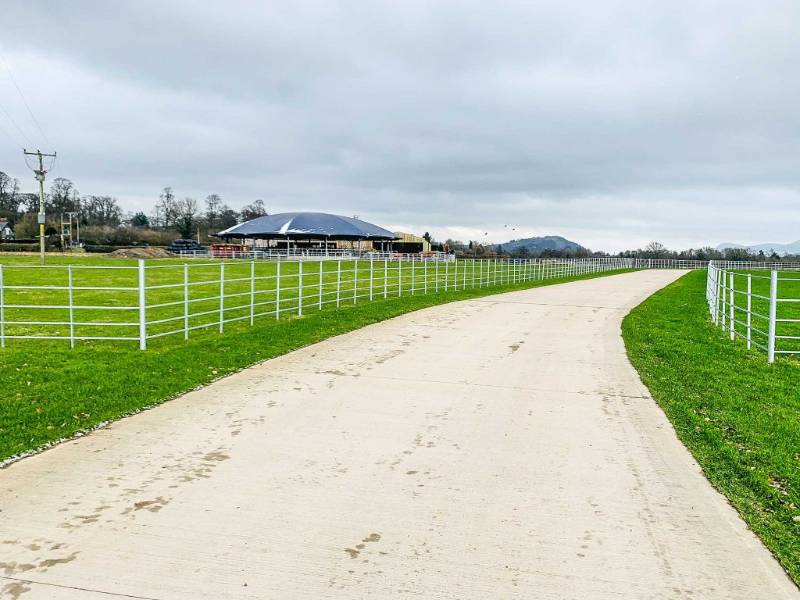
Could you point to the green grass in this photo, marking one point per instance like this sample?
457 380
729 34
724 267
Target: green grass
105 312
50 392
739 416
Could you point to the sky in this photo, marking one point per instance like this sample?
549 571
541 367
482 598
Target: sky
611 123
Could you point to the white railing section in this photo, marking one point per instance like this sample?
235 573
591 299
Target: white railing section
758 303
669 263
311 254
149 300
331 254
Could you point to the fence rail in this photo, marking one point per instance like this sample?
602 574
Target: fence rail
150 300
758 303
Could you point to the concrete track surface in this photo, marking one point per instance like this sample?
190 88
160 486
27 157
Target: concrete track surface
493 448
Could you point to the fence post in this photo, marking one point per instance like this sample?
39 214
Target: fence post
320 283
413 280
749 306
300 287
472 272
773 305
425 279
71 308
252 292
185 302
338 282
436 278
142 308
221 297
724 299
400 277
371 276
446 274
355 281
278 290
2 312
732 320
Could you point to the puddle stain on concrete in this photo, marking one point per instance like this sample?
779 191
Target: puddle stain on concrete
356 551
14 590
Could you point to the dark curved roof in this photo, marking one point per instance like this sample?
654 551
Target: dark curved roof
307 225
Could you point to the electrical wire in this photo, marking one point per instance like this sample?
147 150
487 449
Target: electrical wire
7 69
14 123
13 138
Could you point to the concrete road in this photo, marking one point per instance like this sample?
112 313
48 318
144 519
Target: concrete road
495 448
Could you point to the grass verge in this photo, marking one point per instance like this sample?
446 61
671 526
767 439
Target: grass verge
50 392
738 416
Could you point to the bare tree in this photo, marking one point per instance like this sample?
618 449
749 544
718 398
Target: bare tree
9 196
63 196
166 209
656 250
227 217
186 218
100 210
213 207
254 210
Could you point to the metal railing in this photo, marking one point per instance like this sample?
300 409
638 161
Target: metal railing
149 300
312 254
669 263
758 303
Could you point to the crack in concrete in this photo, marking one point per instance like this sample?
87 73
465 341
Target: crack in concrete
80 589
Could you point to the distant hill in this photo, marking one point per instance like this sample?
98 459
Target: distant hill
781 249
540 244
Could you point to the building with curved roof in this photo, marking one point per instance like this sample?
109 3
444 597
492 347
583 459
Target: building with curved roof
307 226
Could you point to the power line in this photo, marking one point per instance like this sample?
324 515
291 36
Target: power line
14 123
8 134
24 100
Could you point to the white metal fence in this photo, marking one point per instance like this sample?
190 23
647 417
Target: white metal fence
668 263
148 300
338 254
758 303
312 254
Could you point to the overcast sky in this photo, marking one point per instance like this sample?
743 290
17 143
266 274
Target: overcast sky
612 123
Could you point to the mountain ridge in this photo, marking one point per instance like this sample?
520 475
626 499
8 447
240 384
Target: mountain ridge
540 244
790 248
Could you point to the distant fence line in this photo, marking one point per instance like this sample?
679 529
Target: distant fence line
758 303
154 299
350 254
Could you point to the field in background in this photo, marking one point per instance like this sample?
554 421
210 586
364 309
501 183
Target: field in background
737 414
137 302
50 391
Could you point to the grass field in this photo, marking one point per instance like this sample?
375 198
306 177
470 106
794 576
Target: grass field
185 296
50 391
739 416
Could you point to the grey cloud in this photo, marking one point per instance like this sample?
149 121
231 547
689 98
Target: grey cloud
604 122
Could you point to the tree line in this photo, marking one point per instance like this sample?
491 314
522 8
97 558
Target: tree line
103 221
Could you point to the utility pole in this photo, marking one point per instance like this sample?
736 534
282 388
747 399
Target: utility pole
40 173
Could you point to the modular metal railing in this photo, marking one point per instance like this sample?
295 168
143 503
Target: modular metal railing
312 254
758 303
153 299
